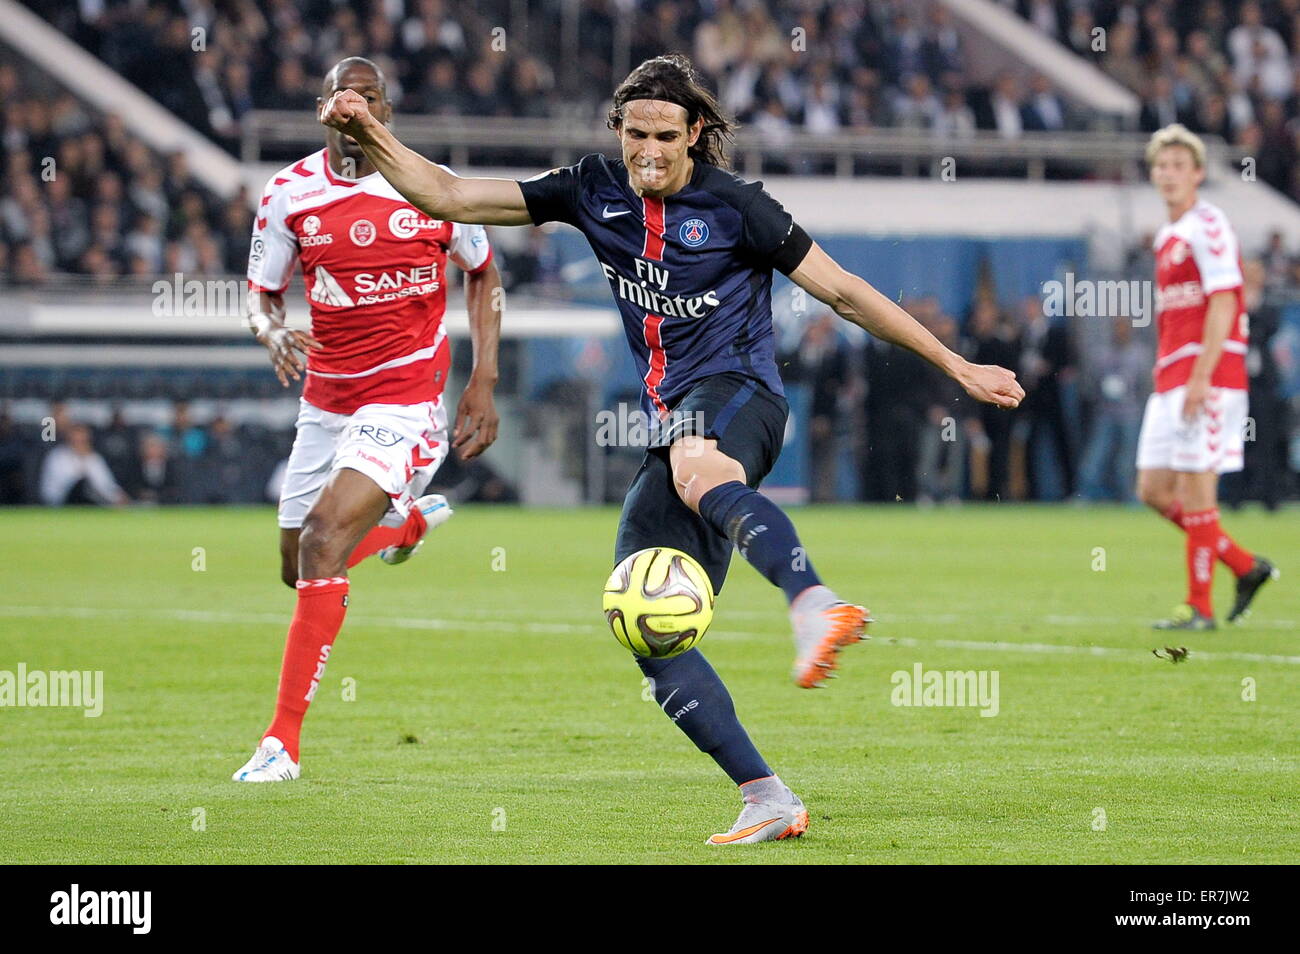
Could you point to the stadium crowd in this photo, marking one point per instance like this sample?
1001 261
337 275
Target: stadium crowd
1226 68
83 196
1230 69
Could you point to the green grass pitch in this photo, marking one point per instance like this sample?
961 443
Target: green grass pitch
495 718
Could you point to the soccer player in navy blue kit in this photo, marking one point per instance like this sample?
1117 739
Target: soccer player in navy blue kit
689 249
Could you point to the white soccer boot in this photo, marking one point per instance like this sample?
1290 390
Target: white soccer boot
436 512
823 625
773 819
270 763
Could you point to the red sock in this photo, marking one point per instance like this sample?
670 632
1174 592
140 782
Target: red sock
381 537
1236 559
316 622
1202 534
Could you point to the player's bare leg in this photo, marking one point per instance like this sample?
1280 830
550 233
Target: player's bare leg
393 544
289 556
713 485
346 510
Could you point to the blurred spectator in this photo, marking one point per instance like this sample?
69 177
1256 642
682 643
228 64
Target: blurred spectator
13 453
1044 111
940 458
73 472
993 339
1121 378
1047 365
1006 104
186 438
822 364
154 478
1265 475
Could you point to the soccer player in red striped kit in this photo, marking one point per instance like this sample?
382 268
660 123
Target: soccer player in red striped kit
1193 428
372 429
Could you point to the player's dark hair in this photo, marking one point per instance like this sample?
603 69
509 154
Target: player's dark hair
673 78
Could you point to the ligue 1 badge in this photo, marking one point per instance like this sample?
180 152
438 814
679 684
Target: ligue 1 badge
693 233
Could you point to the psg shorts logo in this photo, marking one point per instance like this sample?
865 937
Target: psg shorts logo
362 232
693 233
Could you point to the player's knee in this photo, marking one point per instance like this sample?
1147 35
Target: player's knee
1154 495
698 466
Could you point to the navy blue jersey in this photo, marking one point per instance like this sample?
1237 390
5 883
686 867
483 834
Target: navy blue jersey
691 273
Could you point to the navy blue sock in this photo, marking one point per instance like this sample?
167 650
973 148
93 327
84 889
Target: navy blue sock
692 695
762 533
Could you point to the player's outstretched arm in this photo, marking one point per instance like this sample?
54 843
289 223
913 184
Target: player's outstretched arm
431 189
855 300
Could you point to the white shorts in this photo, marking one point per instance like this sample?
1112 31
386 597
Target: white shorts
1213 441
398 446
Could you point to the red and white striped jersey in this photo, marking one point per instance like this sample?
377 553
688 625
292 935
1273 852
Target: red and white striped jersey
375 269
1195 257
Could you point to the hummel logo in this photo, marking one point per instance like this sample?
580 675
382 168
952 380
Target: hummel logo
613 215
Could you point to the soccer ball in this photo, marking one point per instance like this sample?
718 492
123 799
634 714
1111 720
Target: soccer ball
658 602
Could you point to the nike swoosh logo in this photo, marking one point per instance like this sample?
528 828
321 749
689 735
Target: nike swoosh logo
743 833
613 215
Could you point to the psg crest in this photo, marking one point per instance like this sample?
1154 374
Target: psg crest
694 233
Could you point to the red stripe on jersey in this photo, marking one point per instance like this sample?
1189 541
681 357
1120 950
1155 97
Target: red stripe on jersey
280 180
261 224
266 199
654 375
301 169
654 229
407 384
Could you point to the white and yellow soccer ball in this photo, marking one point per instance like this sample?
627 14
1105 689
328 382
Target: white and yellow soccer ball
659 602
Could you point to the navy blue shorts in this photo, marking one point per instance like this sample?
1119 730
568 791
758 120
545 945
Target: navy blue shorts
748 422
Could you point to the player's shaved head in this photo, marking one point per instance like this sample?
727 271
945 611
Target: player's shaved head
334 79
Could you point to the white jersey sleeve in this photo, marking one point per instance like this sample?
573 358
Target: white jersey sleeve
1214 247
274 250
469 247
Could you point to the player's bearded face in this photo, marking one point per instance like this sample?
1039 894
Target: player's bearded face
655 141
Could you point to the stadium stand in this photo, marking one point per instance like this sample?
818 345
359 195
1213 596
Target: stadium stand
122 213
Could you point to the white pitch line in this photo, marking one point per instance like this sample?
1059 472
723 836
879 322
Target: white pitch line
434 623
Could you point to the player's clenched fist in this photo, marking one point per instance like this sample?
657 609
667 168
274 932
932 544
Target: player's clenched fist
348 112
992 385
